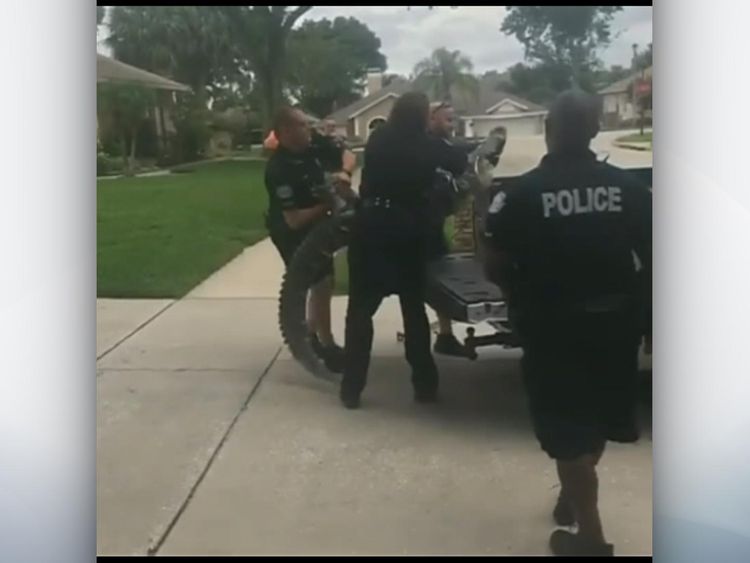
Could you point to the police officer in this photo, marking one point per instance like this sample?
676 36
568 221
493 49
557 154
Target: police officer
561 245
442 127
387 252
293 173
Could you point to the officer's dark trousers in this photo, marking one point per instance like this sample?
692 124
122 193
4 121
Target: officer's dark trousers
376 270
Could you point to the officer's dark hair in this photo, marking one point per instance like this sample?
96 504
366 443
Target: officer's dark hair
283 117
410 112
573 120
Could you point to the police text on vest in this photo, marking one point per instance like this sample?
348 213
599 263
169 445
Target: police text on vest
578 201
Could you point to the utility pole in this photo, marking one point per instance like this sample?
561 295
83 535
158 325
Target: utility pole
641 101
638 80
635 80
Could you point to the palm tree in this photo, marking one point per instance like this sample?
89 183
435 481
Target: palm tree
445 72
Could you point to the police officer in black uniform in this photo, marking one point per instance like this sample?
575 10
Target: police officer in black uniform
388 248
293 174
561 245
442 127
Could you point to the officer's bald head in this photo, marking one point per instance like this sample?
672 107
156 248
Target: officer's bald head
572 122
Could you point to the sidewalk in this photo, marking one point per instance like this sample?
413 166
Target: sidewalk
256 273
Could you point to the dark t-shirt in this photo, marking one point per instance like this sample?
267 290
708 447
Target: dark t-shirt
291 179
402 167
572 226
388 250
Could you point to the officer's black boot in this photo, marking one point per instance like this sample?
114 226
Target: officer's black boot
563 513
349 399
568 544
448 345
332 356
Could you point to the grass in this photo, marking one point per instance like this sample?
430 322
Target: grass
161 236
341 269
637 138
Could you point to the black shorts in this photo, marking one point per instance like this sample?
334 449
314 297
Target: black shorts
582 386
287 245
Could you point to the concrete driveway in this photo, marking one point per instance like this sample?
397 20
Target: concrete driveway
212 440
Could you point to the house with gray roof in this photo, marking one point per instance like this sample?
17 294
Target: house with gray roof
478 113
617 100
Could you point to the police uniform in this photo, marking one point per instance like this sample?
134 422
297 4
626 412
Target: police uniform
291 181
571 227
388 251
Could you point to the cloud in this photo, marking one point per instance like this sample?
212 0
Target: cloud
408 36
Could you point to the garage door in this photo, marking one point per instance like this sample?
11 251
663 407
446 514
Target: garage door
519 126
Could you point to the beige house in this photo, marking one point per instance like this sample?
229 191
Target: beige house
359 118
477 113
617 100
109 70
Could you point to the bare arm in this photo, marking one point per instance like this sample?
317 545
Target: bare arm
348 162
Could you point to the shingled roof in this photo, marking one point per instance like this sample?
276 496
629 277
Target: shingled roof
624 84
111 70
397 87
488 95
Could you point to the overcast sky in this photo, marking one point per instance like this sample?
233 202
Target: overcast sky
410 35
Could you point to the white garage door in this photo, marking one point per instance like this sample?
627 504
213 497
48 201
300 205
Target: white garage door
518 126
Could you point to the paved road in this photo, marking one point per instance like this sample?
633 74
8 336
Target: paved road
523 153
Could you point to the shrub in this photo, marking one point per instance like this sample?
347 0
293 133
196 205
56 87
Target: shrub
107 165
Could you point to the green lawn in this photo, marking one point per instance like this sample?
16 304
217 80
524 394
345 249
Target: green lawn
161 236
637 138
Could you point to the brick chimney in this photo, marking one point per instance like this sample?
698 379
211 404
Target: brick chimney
374 80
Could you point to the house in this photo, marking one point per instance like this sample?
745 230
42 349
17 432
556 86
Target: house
477 114
109 70
617 100
493 107
359 118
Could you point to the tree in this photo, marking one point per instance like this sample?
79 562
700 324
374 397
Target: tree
328 61
444 72
190 44
645 59
123 108
539 83
260 34
565 37
101 11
